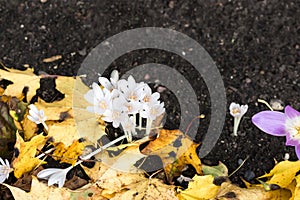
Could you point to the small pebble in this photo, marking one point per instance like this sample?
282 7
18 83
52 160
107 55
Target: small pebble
240 161
249 175
277 104
286 156
248 80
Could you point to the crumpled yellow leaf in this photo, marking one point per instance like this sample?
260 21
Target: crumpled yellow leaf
176 151
230 191
201 188
25 161
68 154
20 79
283 173
124 161
110 180
41 191
148 190
121 185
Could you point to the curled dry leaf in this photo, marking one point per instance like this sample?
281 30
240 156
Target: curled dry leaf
175 150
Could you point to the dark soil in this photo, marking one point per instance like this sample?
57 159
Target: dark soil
255 44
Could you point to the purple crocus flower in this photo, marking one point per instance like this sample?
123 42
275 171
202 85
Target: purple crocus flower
281 124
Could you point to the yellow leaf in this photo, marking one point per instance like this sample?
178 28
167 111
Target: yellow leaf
25 161
230 191
39 191
29 127
148 190
176 151
68 130
297 188
283 173
280 194
68 154
124 161
201 187
80 122
20 79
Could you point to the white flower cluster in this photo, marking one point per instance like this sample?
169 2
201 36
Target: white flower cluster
120 101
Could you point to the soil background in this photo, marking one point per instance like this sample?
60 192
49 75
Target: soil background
255 44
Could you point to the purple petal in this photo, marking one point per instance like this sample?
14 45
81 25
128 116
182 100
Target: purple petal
290 141
297 149
291 112
271 122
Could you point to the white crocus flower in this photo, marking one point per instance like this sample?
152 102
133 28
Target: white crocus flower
113 83
37 116
237 111
116 115
151 111
4 170
100 98
54 175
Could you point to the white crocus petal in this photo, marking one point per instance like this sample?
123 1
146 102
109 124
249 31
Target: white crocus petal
37 116
54 175
105 83
133 107
113 83
114 78
4 170
237 111
131 90
33 108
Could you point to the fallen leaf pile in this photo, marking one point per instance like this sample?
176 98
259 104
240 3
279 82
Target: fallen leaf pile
118 172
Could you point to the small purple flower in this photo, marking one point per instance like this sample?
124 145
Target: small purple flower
281 124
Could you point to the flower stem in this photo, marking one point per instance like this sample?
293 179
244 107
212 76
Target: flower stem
100 149
45 125
236 125
46 152
140 121
148 126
